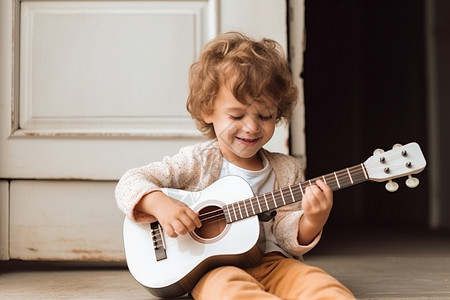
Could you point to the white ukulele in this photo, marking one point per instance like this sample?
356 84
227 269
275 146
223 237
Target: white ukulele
231 233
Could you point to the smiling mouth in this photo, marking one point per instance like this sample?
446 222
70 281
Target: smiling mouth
248 140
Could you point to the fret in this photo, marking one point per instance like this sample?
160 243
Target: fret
301 189
364 170
273 200
324 180
246 211
251 203
282 197
240 211
350 175
234 210
337 180
267 204
292 195
259 205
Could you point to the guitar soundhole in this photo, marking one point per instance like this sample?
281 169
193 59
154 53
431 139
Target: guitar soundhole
213 223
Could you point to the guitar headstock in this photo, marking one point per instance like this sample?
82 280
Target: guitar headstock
398 162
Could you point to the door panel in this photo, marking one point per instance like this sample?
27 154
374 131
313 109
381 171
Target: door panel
125 55
76 219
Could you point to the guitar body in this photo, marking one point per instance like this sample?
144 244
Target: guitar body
186 258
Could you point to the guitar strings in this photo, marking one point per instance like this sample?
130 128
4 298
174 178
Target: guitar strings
297 190
356 173
211 214
335 180
278 197
218 215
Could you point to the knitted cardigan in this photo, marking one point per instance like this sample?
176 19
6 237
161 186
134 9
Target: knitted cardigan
196 167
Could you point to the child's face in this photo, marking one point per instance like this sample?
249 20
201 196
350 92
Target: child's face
241 129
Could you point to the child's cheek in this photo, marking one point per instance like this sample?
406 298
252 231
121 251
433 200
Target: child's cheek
231 128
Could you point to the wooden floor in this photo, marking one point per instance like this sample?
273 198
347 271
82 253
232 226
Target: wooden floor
387 264
397 264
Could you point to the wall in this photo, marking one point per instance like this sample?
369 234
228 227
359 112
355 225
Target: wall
365 88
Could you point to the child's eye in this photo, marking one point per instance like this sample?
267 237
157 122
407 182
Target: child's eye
266 118
236 117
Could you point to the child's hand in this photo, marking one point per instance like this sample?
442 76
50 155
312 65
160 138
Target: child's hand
317 203
174 216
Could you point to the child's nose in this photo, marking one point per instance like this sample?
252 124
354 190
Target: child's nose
251 124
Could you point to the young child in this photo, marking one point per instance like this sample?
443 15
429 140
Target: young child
239 90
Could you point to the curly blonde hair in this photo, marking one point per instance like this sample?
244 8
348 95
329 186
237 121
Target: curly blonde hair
252 70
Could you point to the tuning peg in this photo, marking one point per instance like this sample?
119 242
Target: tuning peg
378 151
412 182
391 186
396 146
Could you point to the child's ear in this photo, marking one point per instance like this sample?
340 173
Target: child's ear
207 117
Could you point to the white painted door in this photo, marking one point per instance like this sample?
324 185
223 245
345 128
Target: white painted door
89 89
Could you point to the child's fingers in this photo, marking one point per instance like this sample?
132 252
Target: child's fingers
194 217
188 223
325 188
169 230
318 196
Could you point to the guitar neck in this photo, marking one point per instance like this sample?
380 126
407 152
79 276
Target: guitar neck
265 202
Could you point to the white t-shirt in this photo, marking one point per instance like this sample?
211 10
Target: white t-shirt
261 181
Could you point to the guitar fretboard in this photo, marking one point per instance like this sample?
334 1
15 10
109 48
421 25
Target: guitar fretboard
255 205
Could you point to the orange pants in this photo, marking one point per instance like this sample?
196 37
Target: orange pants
276 277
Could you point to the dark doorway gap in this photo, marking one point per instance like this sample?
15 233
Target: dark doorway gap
365 88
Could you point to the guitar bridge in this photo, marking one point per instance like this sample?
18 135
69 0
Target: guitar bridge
159 244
